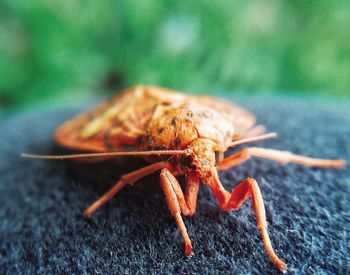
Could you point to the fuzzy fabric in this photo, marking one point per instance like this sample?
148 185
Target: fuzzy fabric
42 229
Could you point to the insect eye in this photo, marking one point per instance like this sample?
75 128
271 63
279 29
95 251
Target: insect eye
219 156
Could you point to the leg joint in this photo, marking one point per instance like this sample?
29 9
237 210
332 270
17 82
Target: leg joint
251 181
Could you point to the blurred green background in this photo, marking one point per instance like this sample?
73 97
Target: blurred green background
54 51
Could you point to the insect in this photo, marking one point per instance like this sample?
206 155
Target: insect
178 135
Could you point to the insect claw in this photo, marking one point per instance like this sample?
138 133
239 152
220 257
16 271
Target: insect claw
87 214
188 250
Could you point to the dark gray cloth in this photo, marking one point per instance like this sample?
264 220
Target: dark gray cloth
42 229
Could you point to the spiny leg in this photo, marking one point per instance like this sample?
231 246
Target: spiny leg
176 204
125 179
244 190
282 157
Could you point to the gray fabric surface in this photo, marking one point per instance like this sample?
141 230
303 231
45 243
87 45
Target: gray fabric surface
42 229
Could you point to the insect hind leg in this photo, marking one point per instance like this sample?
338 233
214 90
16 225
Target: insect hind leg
129 178
233 201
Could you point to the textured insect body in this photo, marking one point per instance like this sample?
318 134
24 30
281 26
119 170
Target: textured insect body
189 126
178 135
150 118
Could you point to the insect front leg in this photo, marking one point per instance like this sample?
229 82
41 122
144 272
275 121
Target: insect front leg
177 203
188 202
192 187
125 179
233 201
282 157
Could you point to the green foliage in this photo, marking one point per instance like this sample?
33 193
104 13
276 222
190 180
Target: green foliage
65 49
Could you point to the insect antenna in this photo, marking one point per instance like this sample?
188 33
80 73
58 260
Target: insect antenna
253 139
106 154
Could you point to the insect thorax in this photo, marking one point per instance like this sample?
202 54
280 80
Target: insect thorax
176 126
188 126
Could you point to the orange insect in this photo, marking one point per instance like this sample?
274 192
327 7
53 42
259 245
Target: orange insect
178 135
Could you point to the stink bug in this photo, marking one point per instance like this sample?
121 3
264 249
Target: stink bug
179 135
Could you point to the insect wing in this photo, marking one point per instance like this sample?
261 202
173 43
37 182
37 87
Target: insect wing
242 118
116 123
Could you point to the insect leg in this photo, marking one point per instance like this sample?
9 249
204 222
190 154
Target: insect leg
170 187
188 202
192 187
125 179
233 201
285 157
282 157
233 160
